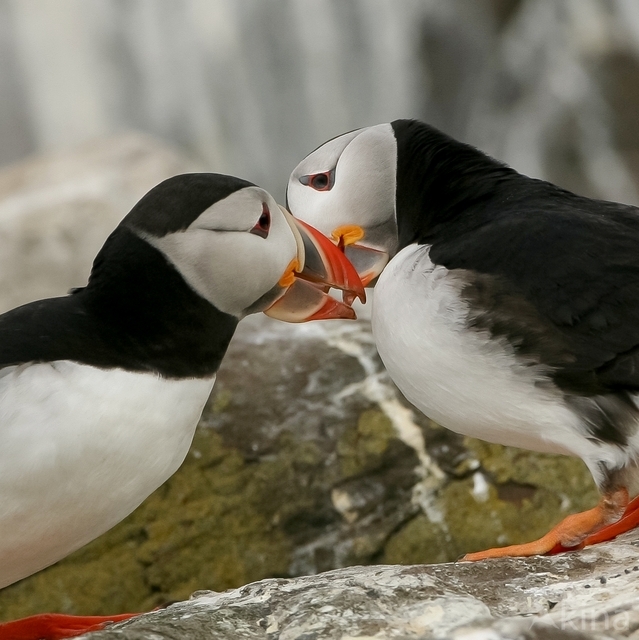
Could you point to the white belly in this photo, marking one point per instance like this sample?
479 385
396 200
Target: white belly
459 377
80 448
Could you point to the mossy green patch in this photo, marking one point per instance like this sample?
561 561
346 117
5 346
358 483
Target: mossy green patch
220 401
419 541
562 475
362 447
527 493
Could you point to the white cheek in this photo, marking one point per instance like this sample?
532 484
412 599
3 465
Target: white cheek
358 197
365 182
320 209
365 177
232 270
252 266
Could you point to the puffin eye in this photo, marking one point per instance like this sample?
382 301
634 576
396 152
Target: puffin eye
320 181
263 224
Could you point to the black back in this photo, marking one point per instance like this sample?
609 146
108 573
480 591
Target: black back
137 312
555 273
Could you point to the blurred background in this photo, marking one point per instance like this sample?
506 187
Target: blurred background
306 458
249 87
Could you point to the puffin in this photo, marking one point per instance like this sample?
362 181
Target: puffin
101 390
505 307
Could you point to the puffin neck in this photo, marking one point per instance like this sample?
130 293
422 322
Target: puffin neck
147 316
439 180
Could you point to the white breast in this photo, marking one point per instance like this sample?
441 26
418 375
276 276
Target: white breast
461 378
80 448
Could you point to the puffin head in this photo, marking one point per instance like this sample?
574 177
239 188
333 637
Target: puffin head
346 189
239 250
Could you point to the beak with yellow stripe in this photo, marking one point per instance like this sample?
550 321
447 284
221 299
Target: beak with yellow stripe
368 262
319 266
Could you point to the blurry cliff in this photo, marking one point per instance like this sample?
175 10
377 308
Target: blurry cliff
248 87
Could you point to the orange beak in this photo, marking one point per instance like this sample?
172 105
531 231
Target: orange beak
319 266
368 262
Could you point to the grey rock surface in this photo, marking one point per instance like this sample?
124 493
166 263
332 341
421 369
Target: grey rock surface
590 594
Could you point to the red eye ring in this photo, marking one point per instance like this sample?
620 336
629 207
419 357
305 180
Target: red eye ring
319 181
263 225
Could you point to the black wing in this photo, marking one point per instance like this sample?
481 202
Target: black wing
41 331
558 275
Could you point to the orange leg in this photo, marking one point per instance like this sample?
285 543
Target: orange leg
627 522
56 626
569 533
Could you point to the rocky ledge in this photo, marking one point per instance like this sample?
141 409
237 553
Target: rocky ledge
593 593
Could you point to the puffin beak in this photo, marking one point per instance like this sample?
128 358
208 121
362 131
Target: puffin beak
319 265
368 262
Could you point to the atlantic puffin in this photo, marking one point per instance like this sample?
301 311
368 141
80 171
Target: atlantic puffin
101 390
509 309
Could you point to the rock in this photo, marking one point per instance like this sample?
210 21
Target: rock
57 210
306 458
590 594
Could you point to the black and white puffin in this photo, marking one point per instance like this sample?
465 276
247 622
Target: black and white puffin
101 390
509 310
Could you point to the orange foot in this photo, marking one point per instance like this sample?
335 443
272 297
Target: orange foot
572 532
56 626
627 522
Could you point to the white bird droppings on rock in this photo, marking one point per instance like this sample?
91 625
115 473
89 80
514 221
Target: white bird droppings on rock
480 487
